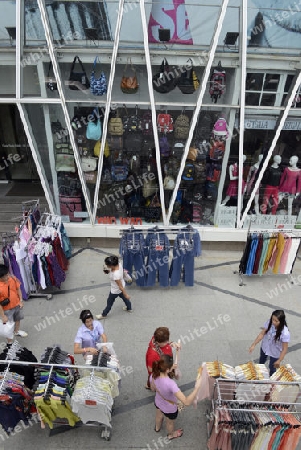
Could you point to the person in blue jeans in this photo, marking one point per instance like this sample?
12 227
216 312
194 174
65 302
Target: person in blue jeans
115 270
275 338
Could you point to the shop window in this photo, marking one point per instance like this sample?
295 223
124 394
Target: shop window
259 87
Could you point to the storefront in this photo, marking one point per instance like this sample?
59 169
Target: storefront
148 125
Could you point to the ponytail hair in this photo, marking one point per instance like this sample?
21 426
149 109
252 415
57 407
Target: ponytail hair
161 366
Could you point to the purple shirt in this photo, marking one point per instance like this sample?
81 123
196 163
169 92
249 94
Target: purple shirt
89 338
271 347
167 388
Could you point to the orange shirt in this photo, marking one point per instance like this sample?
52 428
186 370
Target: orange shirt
13 295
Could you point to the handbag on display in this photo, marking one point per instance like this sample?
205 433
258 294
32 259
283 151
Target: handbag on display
64 162
98 86
106 151
115 126
51 81
115 142
70 202
90 177
94 130
78 81
165 80
89 164
129 84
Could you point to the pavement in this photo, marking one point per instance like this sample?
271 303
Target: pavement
216 318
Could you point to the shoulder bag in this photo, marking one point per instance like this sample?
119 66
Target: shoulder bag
165 80
78 81
98 86
51 81
129 84
94 130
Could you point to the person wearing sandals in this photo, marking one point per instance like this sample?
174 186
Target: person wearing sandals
11 301
158 346
168 394
115 270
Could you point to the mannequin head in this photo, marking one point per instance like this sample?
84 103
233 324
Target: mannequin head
277 159
260 158
244 158
293 161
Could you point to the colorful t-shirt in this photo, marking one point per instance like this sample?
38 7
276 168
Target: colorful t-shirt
165 398
152 354
271 347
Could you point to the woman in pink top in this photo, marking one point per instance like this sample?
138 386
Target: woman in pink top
167 395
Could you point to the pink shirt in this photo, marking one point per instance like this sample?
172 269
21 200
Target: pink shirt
167 388
290 181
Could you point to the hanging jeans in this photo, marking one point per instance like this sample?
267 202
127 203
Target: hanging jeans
158 258
110 302
132 251
187 245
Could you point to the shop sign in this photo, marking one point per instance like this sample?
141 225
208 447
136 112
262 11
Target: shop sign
227 216
269 124
260 222
285 221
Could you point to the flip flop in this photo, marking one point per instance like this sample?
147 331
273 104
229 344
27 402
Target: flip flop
157 431
178 432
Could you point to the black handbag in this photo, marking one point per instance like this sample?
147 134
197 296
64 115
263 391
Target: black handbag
165 80
6 301
187 81
78 81
51 81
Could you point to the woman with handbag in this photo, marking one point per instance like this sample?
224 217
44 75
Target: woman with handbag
169 397
158 346
115 270
11 302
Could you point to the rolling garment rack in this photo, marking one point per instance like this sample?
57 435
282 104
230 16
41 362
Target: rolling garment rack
241 421
62 425
28 207
265 248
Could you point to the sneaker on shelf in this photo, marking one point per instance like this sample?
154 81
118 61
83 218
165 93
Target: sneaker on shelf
100 316
127 310
21 333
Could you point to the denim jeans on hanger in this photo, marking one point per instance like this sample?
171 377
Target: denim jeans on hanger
264 357
157 259
132 247
187 245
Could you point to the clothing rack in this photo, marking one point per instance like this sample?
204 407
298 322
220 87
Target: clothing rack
231 413
62 426
270 235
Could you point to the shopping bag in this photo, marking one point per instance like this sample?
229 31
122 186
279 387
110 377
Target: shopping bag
7 329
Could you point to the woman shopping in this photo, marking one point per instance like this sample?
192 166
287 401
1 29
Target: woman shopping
275 338
115 270
168 394
158 346
88 335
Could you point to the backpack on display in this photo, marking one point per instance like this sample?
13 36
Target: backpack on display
188 81
220 130
164 146
165 80
147 124
115 142
182 126
119 172
165 123
132 123
217 151
188 172
115 126
217 83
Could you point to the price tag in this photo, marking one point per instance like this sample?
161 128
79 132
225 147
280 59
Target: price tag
159 247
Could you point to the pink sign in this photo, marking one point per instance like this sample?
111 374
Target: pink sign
171 15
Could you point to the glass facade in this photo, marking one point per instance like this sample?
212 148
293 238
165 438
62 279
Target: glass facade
154 112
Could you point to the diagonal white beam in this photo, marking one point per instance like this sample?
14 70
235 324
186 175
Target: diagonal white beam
56 72
273 144
206 75
108 103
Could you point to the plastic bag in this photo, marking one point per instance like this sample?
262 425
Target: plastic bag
7 329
